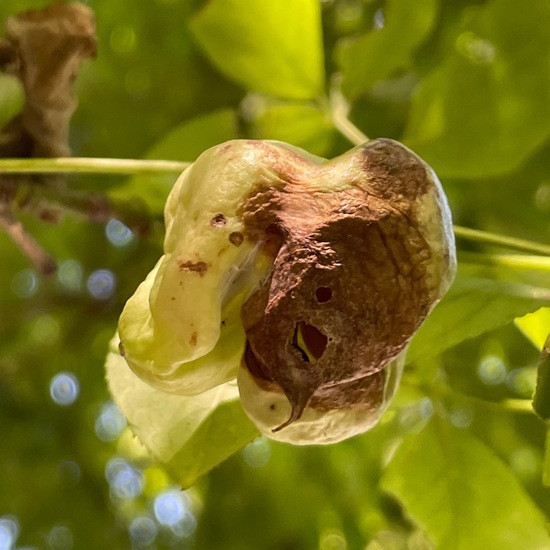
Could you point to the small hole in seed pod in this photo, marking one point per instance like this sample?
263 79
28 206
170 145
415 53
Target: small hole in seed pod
219 220
323 294
310 341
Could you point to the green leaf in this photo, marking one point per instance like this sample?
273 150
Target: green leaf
541 399
185 142
378 54
490 84
461 494
472 307
304 126
270 47
11 98
535 326
190 435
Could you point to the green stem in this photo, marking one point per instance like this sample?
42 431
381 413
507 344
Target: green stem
339 110
511 404
91 166
132 166
515 261
513 243
43 262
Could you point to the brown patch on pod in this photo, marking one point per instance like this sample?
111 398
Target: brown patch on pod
355 272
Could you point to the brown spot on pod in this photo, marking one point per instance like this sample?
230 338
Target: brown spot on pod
236 238
197 267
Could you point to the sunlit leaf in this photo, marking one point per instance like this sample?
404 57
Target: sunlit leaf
269 47
461 494
472 307
490 84
302 125
190 435
185 142
381 52
536 326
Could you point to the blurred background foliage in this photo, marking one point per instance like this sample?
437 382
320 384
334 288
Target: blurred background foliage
458 462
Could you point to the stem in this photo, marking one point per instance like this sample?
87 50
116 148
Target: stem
91 166
516 261
43 262
511 404
132 166
500 240
339 108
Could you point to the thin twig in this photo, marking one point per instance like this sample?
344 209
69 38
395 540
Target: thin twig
85 165
42 261
339 108
501 240
525 262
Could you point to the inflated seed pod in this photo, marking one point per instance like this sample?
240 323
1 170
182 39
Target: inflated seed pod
307 277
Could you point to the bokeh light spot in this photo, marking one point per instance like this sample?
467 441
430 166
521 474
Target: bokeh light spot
379 21
143 531
185 528
475 49
332 540
69 276
64 388
525 463
60 538
118 233
522 381
492 370
110 423
126 481
461 417
101 284
170 507
258 453
44 330
123 40
9 531
25 283
542 197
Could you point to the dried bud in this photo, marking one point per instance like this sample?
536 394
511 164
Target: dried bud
312 275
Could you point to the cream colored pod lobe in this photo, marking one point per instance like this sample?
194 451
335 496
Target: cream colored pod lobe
181 331
306 278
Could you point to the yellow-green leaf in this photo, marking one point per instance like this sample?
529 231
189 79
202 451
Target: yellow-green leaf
270 47
461 494
190 435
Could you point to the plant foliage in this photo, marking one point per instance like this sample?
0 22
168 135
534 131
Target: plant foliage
459 460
